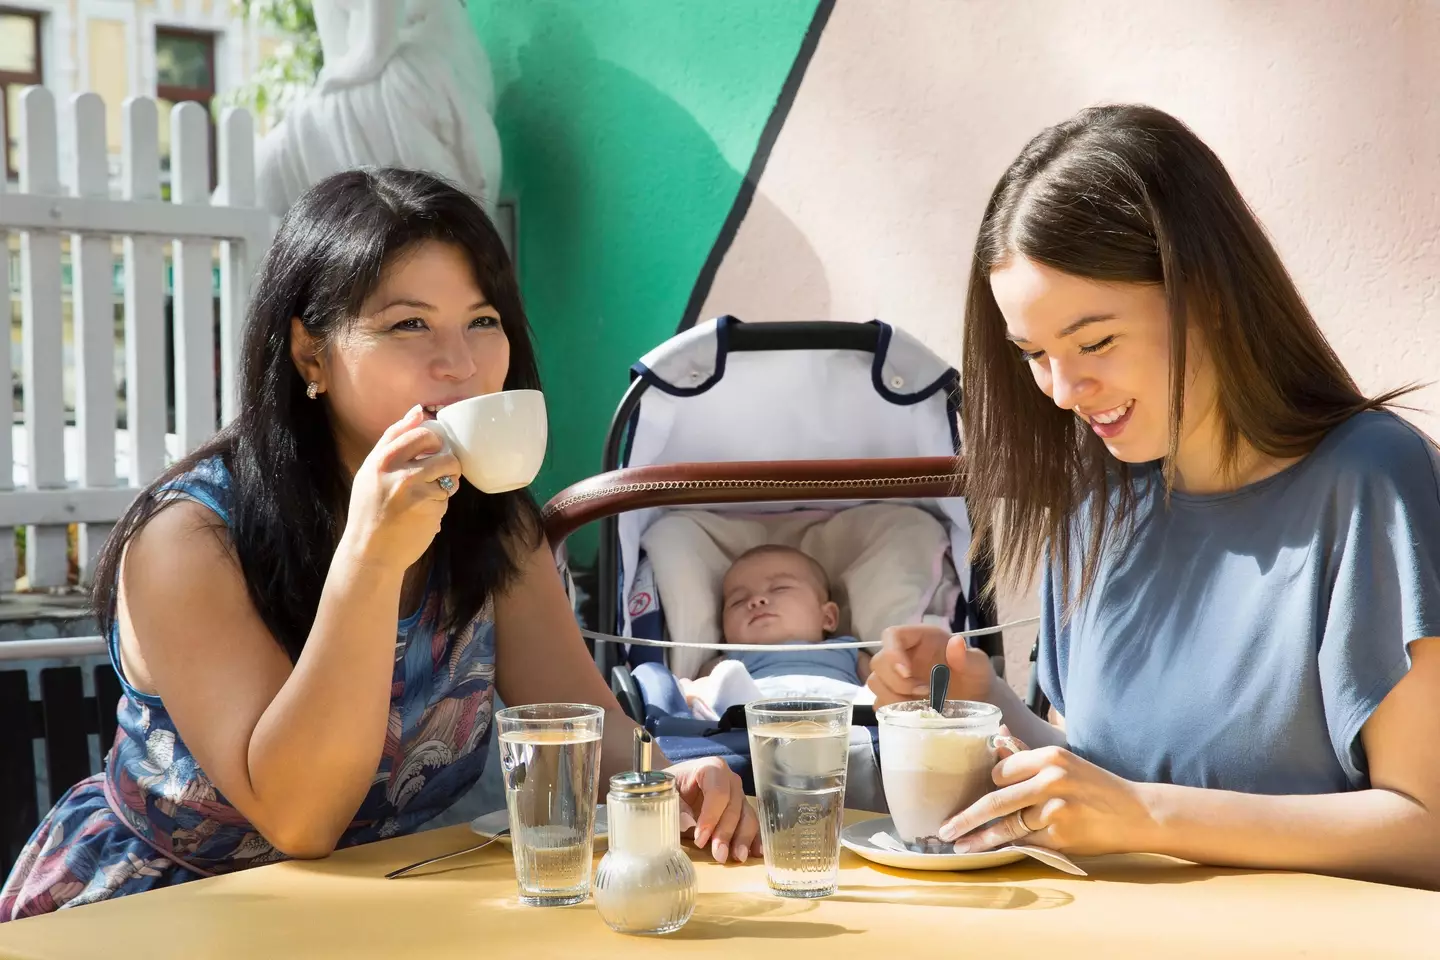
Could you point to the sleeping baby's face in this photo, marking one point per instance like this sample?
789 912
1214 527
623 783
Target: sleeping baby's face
777 595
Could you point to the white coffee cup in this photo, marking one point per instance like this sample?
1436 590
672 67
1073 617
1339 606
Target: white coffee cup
499 438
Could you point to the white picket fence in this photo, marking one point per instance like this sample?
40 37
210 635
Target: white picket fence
94 489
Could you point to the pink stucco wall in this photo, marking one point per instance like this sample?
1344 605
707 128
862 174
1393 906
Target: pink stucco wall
1325 112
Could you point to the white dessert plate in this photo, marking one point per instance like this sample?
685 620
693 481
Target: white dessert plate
875 840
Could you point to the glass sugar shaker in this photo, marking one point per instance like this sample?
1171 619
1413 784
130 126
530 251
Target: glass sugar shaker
645 882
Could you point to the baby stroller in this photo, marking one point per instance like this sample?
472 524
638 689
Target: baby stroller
840 436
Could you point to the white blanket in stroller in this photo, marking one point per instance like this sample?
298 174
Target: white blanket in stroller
730 683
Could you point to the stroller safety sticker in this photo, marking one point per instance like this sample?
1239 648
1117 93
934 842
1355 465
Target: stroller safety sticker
642 593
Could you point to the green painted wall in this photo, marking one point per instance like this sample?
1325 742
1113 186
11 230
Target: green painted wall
626 127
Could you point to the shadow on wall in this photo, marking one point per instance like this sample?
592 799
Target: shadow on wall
904 123
780 278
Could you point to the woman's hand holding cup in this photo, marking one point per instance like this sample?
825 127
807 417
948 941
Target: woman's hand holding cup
901 669
398 497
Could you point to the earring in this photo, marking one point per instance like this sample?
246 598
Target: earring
312 390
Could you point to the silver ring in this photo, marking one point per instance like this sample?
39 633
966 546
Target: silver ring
1020 819
447 483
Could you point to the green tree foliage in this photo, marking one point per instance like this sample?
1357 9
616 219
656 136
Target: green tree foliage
291 70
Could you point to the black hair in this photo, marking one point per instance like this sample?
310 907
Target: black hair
289 490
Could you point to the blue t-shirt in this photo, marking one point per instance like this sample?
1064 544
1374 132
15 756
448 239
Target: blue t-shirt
1241 640
839 664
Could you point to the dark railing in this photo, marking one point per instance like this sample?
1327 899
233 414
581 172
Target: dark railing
63 719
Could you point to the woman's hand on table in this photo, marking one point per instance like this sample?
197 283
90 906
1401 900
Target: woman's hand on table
713 800
1051 798
901 669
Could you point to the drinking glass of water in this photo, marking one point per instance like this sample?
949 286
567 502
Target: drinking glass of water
550 754
799 751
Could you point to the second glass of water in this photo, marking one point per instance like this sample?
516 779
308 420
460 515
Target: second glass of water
799 748
550 754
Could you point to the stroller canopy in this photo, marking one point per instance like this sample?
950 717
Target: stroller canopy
727 391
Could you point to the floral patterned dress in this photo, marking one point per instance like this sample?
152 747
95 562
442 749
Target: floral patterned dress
153 818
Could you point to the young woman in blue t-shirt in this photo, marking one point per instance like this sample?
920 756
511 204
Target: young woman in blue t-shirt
1240 551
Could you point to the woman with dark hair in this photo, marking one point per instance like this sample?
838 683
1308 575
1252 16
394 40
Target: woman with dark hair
1240 551
251 594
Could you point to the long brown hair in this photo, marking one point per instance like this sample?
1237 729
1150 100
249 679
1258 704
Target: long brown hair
1130 194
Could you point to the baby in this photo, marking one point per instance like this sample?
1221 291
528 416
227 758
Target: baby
777 595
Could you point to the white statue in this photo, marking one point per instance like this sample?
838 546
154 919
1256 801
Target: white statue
405 83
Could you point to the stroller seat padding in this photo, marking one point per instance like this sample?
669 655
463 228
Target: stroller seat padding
888 564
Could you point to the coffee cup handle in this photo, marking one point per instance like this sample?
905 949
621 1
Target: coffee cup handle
999 740
438 428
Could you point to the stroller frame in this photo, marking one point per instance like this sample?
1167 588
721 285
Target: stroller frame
617 490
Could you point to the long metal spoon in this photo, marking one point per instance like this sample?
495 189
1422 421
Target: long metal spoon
425 863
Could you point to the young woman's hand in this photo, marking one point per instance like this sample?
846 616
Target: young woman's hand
1052 798
901 669
714 801
396 500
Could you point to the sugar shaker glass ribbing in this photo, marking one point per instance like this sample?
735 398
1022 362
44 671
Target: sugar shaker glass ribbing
646 883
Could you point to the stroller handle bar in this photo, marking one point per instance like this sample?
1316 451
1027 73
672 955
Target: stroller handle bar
760 481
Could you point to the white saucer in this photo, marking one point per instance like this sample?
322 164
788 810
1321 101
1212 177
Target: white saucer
497 820
856 837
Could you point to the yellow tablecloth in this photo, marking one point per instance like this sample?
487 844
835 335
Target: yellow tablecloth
1148 907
